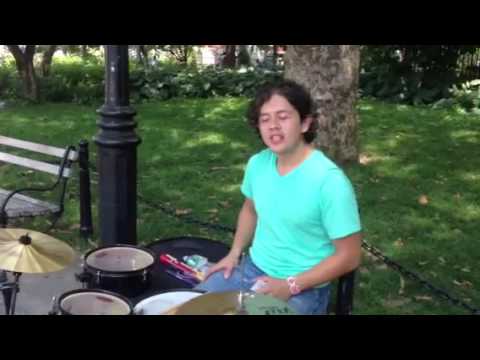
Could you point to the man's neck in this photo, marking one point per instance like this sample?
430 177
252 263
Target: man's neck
288 162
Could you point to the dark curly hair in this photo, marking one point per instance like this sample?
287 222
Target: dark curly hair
296 95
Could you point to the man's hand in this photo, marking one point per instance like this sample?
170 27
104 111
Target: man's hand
275 287
227 264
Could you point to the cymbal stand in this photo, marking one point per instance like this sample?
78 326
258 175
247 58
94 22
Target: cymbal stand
241 309
10 290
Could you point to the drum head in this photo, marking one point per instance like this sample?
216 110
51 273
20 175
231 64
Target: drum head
162 303
119 259
91 302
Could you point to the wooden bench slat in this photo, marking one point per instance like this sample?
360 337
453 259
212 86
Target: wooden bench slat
40 148
22 205
33 164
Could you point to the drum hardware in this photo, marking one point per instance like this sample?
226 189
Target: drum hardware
241 310
26 251
54 310
82 277
10 290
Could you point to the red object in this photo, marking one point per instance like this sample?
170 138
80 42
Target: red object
170 260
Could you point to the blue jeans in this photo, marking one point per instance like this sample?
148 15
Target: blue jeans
308 302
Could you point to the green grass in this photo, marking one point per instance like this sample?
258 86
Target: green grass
192 157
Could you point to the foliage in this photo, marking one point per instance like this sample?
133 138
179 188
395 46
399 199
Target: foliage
416 74
188 82
465 97
75 79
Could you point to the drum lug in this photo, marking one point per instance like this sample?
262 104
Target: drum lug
55 309
145 275
83 277
98 276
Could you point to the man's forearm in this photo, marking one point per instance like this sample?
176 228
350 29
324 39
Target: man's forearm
246 224
343 261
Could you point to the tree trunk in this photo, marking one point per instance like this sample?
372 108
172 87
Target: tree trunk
143 53
331 74
18 56
275 55
26 70
47 60
229 59
243 56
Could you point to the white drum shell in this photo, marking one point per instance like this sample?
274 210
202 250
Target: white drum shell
159 304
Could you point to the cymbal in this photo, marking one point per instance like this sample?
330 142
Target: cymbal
27 251
228 303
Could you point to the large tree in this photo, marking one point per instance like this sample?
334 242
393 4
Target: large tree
47 59
331 73
26 70
229 59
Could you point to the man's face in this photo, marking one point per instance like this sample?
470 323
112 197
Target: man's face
280 126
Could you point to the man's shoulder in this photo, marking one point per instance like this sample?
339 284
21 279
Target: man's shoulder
320 165
261 157
322 161
323 170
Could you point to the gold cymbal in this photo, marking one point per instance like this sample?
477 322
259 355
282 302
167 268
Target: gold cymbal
27 251
228 303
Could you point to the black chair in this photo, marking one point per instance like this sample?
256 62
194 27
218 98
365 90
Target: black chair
344 295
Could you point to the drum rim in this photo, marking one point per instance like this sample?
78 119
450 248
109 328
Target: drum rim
93 290
201 292
123 272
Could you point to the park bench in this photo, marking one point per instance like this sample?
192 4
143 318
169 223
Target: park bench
17 203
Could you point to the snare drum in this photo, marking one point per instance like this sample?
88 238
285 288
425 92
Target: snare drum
164 303
93 302
123 269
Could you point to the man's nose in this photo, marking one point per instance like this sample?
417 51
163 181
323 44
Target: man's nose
274 124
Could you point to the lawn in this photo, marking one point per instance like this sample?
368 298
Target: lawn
417 184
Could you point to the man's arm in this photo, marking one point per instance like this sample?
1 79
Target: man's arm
246 224
347 256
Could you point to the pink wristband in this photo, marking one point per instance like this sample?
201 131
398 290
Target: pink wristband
292 285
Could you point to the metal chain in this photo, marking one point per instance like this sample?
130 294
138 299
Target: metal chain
185 218
411 275
370 248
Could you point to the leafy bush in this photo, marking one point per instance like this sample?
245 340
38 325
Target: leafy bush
164 83
74 80
416 74
466 97
10 85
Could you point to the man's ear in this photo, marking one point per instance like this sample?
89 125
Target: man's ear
306 124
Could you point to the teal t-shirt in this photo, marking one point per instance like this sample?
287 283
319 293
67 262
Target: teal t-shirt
298 214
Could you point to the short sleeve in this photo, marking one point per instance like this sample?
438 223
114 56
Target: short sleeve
340 215
246 187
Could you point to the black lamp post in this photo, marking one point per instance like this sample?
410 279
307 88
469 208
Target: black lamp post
117 153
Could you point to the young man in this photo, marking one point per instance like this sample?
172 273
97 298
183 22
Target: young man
300 210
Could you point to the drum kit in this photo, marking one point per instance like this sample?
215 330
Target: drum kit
111 276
